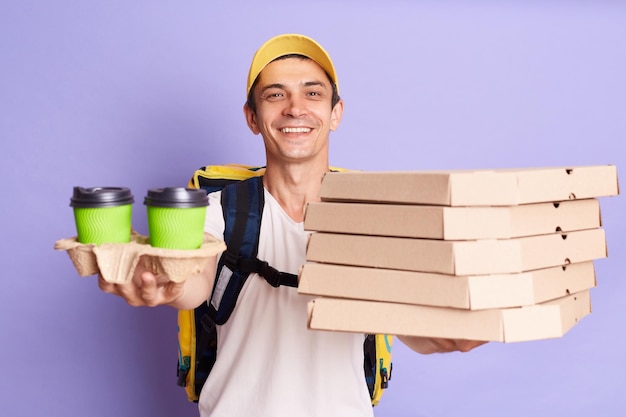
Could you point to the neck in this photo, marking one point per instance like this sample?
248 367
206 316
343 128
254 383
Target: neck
294 185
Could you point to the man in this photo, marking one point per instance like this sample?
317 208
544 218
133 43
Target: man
268 363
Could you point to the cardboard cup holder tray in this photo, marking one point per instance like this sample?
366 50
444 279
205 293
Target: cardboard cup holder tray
116 262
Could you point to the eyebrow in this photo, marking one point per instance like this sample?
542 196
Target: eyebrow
270 86
314 83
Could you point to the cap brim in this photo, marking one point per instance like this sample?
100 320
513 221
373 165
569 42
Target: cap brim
288 44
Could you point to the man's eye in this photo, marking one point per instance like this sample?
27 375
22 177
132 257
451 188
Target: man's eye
314 94
273 96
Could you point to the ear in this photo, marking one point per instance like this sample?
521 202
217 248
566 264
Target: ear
335 115
251 119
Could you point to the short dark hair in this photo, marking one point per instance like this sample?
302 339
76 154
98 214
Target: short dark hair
334 100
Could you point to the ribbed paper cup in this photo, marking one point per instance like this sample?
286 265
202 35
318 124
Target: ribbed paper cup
102 214
176 217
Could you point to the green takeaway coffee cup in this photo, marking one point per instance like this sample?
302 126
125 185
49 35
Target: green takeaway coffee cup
176 217
102 214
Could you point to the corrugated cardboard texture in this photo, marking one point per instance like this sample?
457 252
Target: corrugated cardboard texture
541 321
500 187
478 257
452 223
116 262
464 292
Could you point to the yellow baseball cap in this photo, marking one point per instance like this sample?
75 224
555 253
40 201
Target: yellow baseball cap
287 44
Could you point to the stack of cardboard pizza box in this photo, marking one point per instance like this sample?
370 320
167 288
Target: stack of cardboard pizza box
496 255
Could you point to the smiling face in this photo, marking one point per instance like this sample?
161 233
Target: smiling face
293 110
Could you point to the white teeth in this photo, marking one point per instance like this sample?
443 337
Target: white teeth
295 130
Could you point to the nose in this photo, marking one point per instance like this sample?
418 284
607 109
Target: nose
295 106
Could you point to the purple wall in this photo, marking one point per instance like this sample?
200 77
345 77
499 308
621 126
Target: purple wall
141 93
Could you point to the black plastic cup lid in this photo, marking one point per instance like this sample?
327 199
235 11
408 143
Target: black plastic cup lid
101 197
176 197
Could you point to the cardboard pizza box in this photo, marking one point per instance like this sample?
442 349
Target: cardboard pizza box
471 257
541 321
452 223
472 292
498 187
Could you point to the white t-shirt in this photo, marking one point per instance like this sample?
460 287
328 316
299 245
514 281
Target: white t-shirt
268 363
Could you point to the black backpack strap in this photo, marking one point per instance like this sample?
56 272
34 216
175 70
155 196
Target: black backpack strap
242 205
273 276
245 230
247 223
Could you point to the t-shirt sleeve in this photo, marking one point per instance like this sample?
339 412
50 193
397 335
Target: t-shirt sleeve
214 220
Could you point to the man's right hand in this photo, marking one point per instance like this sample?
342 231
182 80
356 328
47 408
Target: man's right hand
145 288
148 289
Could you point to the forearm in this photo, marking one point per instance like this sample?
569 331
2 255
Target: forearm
197 289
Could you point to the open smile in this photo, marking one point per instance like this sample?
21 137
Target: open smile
295 129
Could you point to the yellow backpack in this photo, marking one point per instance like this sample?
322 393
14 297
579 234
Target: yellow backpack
197 339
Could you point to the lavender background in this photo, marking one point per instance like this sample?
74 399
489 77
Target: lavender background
140 93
